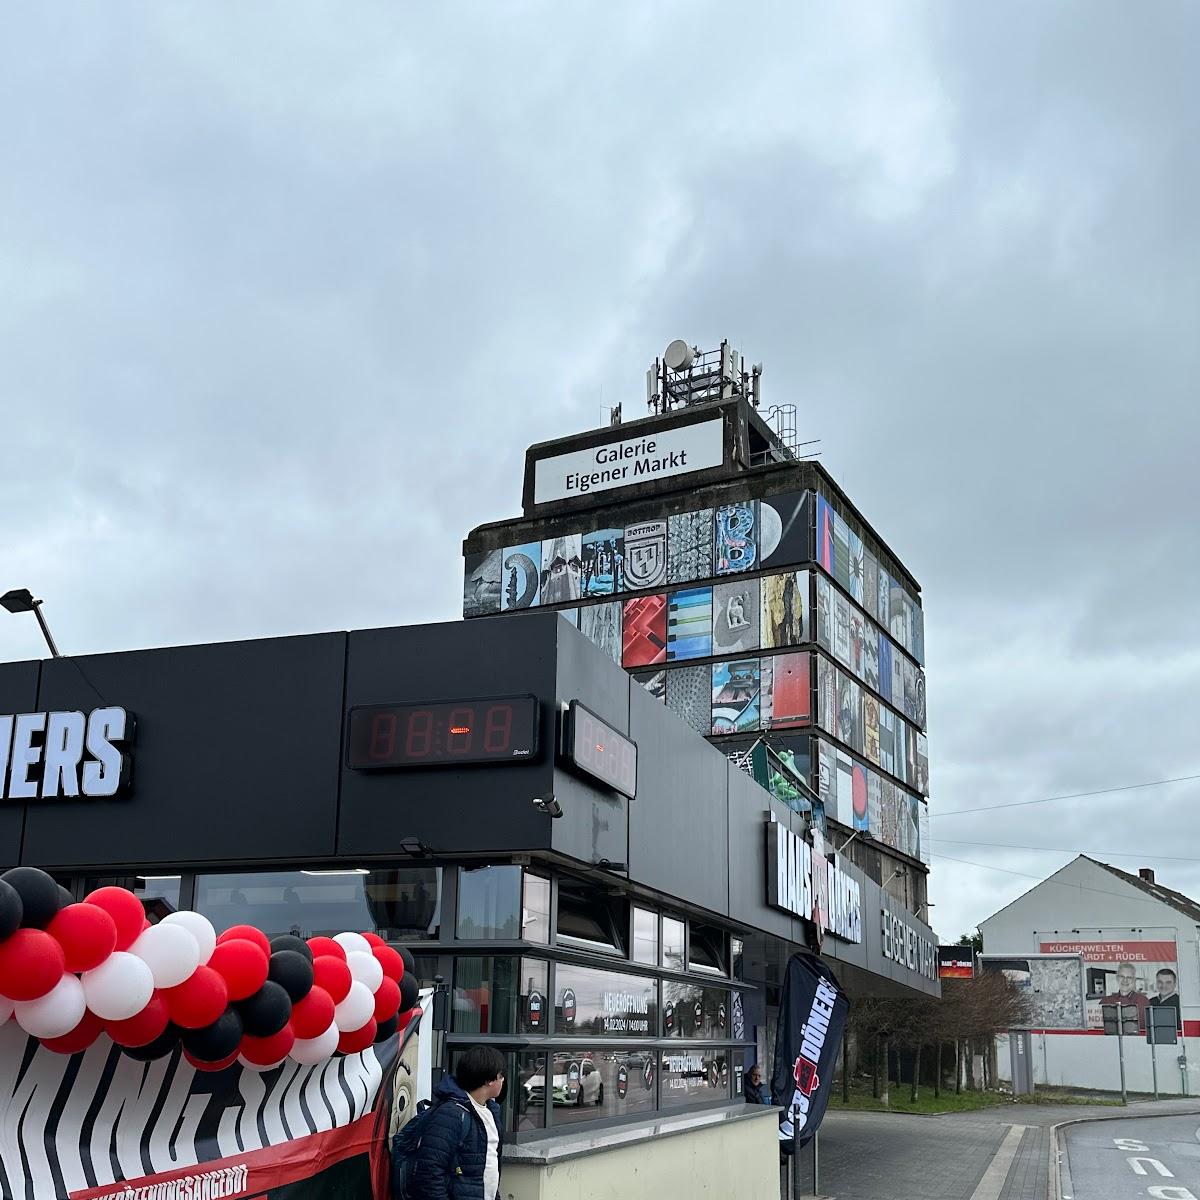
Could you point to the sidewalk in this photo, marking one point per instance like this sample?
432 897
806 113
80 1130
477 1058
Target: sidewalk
884 1156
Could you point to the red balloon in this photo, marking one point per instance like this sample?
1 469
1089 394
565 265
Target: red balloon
374 939
266 1051
333 975
326 945
404 1018
249 934
199 1000
124 908
387 999
312 1015
242 964
32 963
142 1028
87 934
80 1038
390 961
201 1065
358 1039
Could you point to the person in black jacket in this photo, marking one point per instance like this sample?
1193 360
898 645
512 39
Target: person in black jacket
752 1088
459 1155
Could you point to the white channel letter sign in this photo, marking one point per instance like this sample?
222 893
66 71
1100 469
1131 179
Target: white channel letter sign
907 946
621 462
62 755
790 866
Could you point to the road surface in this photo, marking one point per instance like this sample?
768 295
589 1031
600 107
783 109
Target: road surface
1151 1158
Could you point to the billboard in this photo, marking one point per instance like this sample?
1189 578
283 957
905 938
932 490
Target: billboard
956 962
1053 983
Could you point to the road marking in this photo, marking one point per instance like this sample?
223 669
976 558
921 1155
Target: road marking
1130 1144
1164 1192
992 1183
1138 1169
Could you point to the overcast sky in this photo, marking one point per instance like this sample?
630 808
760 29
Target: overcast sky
286 290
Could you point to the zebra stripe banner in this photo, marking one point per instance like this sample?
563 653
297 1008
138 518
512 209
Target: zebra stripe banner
102 1126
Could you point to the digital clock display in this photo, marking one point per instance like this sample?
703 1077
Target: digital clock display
595 747
443 733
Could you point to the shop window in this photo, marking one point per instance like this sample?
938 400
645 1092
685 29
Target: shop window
593 1085
535 909
694 1076
737 950
533 998
400 905
645 937
485 995
590 919
529 1092
489 903
596 1003
159 894
692 1011
706 950
672 944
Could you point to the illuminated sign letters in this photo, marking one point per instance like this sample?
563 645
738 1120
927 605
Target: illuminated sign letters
907 946
791 864
65 755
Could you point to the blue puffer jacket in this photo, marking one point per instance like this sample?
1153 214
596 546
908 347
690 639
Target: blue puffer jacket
453 1151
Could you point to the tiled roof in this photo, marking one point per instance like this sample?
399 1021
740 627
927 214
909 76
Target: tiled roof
1165 895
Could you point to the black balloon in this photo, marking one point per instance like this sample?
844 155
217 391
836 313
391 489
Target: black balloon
64 897
159 1048
216 1041
409 992
40 898
293 972
267 1011
386 1029
289 941
410 965
11 909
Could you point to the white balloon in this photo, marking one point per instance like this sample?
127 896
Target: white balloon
119 987
356 1010
200 927
256 1067
310 1051
55 1013
353 943
7 1008
366 969
169 951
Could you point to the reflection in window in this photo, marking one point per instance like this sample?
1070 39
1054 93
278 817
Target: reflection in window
591 919
489 903
692 1011
672 944
400 905
706 951
535 909
159 894
485 995
736 955
645 937
533 1000
692 1076
590 1085
594 1003
528 1089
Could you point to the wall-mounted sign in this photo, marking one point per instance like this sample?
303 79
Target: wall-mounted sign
908 946
810 886
569 1007
596 748
537 1012
956 962
442 733
64 755
623 461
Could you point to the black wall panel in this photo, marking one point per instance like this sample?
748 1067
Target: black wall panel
18 694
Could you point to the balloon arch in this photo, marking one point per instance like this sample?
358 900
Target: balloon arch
70 972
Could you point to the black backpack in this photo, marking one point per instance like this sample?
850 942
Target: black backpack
406 1144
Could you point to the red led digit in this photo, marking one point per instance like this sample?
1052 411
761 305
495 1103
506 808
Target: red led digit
462 731
420 733
497 729
383 736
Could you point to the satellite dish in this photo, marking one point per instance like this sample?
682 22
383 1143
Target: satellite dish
678 355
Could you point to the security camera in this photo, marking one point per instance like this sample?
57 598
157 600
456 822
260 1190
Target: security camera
548 805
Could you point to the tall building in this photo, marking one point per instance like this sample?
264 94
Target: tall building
740 585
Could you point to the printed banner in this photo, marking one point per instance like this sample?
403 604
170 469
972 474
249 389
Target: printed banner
102 1126
812 1020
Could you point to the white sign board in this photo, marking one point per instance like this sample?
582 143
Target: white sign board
622 462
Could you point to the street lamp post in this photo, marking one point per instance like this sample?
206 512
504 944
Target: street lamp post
21 600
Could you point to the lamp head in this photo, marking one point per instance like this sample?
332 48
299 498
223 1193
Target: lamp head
19 600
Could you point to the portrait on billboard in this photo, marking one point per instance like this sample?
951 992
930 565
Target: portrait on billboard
689 624
824 524
785 609
870 656
785 529
689 696
823 618
787 691
875 804
735 538
736 696
601 623
560 582
857 566
858 780
735 616
922 764
885 667
841 628
827 701
871 584
857 639
644 636
601 560
645 564
654 682
690 546
870 707
520 576
481 583
849 711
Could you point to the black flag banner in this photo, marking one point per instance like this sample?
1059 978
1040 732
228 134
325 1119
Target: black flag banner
100 1125
812 1020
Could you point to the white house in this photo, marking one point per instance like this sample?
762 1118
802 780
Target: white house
1139 945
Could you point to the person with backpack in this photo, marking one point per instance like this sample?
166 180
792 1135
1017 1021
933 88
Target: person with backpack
451 1151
